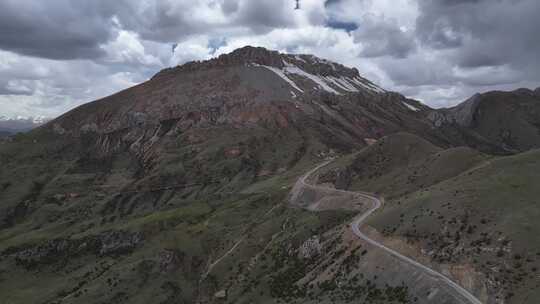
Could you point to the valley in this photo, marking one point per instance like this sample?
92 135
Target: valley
204 184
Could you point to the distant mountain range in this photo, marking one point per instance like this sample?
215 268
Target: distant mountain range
10 126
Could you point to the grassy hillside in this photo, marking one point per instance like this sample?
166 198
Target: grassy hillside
175 191
487 216
497 121
400 163
80 226
459 206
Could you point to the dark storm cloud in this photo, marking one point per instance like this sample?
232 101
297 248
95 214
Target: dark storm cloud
483 32
65 29
6 89
381 37
265 15
163 20
443 23
168 20
415 46
229 6
466 46
56 29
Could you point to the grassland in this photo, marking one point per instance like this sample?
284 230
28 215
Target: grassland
460 206
91 227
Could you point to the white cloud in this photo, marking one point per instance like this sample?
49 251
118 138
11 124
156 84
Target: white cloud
32 86
195 48
127 48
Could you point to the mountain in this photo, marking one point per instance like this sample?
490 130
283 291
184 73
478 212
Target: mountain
175 190
402 163
509 122
249 88
10 126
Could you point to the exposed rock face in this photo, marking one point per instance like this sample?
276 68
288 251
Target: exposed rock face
169 260
247 89
462 114
222 294
310 248
57 128
341 178
118 242
261 56
236 88
499 122
60 250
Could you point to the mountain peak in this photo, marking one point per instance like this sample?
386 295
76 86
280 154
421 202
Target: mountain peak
244 87
329 76
251 54
262 56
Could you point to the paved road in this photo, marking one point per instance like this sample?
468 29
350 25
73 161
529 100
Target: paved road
461 294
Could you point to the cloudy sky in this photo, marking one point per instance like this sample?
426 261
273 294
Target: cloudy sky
57 54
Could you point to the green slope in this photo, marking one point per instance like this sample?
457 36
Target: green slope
400 163
487 216
458 205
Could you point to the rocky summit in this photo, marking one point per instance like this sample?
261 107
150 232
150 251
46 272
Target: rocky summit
247 86
215 182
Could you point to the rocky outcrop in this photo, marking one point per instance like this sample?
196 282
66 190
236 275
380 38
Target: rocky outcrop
222 294
262 56
341 178
495 122
118 242
462 114
169 260
310 248
58 251
250 86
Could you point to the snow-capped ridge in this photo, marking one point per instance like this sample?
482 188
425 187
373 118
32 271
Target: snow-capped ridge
294 69
334 84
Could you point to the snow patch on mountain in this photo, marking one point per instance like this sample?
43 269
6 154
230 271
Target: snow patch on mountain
368 85
412 108
344 83
281 74
302 72
297 57
292 69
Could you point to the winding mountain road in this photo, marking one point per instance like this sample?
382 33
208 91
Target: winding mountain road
460 294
